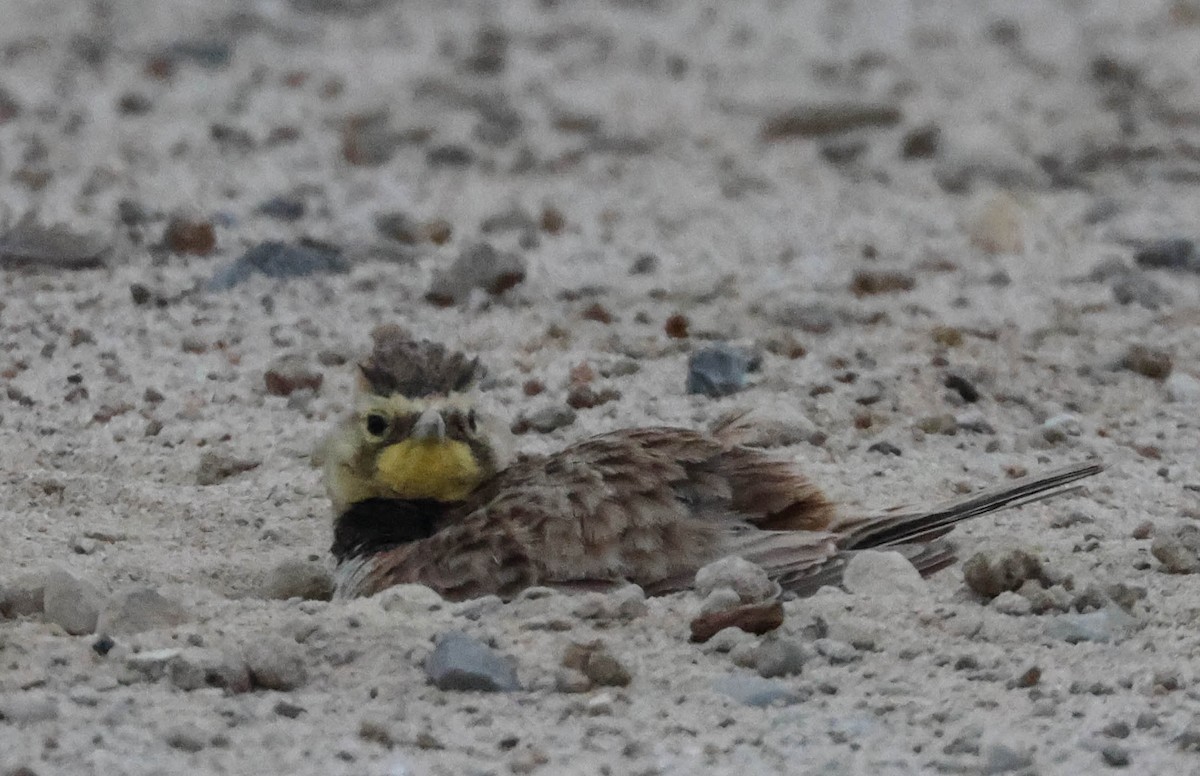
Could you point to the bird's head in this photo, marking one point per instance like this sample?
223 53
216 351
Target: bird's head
415 432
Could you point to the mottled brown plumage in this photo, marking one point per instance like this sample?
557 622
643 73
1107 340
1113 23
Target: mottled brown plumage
646 505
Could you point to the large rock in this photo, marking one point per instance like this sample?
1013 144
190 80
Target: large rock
71 603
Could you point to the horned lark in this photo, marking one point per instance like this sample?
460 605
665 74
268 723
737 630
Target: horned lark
421 498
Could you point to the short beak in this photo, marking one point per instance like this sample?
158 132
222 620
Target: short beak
430 426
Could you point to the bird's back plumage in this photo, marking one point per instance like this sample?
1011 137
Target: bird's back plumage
646 505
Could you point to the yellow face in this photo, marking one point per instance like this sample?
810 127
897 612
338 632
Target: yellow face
396 447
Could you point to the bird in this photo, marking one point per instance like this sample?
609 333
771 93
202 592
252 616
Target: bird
422 496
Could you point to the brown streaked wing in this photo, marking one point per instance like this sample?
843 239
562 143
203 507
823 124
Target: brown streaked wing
650 505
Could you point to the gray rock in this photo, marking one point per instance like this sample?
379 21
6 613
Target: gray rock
196 668
34 245
216 467
479 266
1178 549
550 418
139 609
1103 625
836 652
298 579
276 664
152 665
718 370
874 573
746 579
1154 363
1182 387
23 595
1115 756
991 573
185 738
779 657
411 599
279 260
719 600
1057 428
815 120
459 662
1174 253
755 691
71 603
1001 758
1011 603
27 708
1143 289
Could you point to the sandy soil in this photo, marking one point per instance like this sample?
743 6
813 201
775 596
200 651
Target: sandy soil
990 159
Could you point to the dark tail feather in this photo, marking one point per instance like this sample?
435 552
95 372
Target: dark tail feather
924 526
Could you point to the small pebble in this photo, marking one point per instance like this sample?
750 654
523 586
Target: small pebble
998 227
779 657
872 573
755 691
871 282
478 266
1178 549
1011 603
280 260
139 609
1176 253
1182 388
460 662
196 238
275 664
1154 363
991 573
1101 626
217 467
289 374
1115 756
595 662
298 579
746 579
717 370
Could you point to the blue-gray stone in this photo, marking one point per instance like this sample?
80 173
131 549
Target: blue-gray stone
1103 625
279 260
718 370
1177 253
755 691
459 662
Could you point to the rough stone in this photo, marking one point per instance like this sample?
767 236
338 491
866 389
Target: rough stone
139 609
23 595
779 657
1183 388
289 374
991 573
298 579
756 691
1178 549
197 668
746 579
281 261
595 662
71 603
460 662
1104 625
718 370
479 266
275 664
873 573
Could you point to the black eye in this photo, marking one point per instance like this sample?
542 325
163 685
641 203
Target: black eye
471 420
376 425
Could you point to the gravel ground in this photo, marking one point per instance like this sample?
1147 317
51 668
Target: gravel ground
955 237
